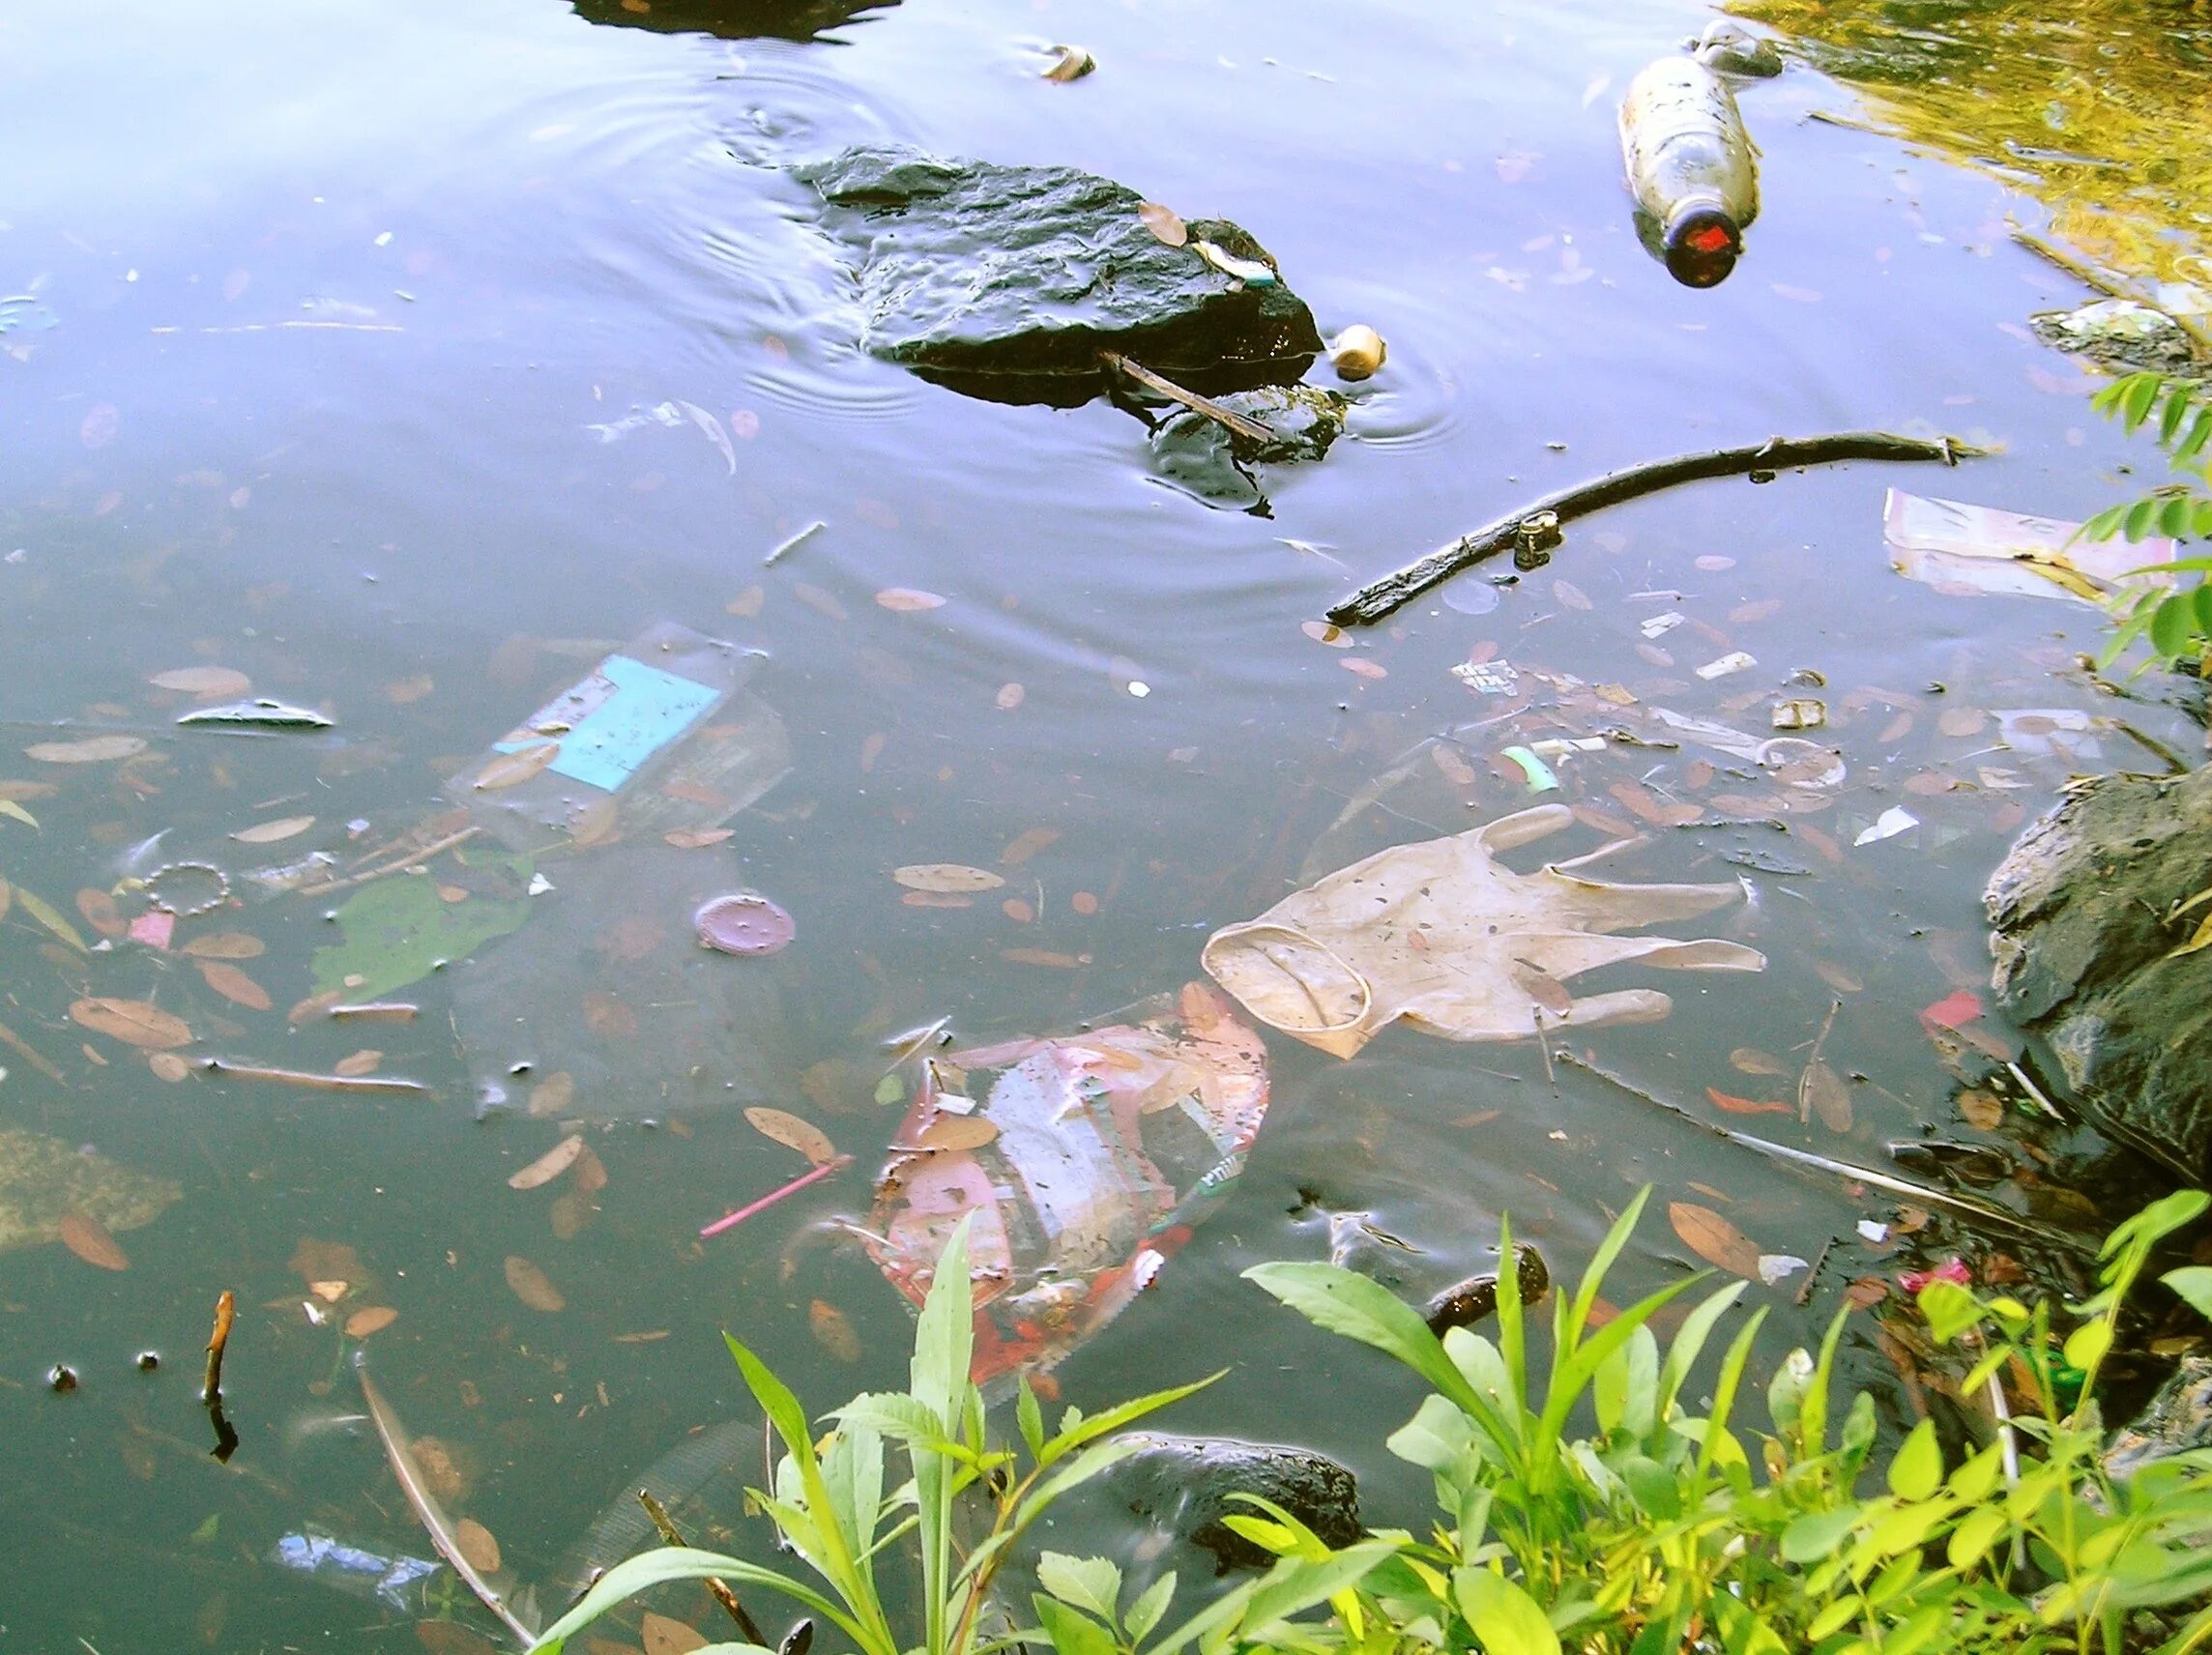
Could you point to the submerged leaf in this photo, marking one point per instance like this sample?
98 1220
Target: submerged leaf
788 1129
550 1165
512 770
945 878
135 1022
531 1285
91 751
88 1238
1714 1239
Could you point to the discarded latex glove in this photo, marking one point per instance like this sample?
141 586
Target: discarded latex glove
1441 935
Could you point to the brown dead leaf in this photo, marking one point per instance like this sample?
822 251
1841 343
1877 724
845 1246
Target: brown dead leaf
571 1210
100 913
555 1095
663 1635
1962 720
218 683
906 600
1084 903
747 602
370 1318
591 1174
1019 912
91 750
356 1064
1982 1110
274 832
225 945
167 1065
1821 1092
1714 1239
950 1133
607 1016
88 1238
1569 595
696 838
1744 1105
945 878
477 1544
451 1637
833 1331
788 1129
531 1285
550 1165
1009 697
512 770
1026 844
406 691
135 1022
1363 666
935 899
234 985
1867 1291
1751 1061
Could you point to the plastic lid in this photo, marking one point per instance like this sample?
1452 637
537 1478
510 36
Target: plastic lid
1702 243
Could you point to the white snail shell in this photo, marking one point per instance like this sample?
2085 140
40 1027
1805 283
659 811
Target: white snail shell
1358 352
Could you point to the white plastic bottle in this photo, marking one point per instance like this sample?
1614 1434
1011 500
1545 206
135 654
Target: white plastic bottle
1691 167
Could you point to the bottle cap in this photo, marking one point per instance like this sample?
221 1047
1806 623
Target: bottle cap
1702 244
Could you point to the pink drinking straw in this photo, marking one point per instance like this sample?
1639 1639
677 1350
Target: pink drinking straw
731 1221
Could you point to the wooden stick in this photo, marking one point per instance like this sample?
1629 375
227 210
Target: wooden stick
31 1054
715 1585
405 863
1250 429
1381 599
319 1082
381 1012
225 1314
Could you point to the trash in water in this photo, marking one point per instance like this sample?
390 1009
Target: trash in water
1440 934
1732 49
1690 168
398 931
1963 550
1887 825
659 737
1801 713
1087 1163
1539 774
1357 352
352 1569
744 924
1489 678
1734 661
260 714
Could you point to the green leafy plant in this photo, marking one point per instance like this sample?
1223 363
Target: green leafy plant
1656 1533
830 1507
2176 619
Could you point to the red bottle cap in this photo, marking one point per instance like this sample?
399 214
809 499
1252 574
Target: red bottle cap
1703 243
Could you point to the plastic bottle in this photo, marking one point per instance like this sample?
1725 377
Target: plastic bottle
1690 167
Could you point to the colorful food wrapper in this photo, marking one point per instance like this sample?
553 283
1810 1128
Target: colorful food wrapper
1086 1161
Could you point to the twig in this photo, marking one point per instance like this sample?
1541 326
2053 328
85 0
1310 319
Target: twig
380 1012
2150 743
31 1054
405 863
424 1504
2035 1091
1228 418
1813 1275
211 1386
319 1082
1384 597
730 1221
719 1587
791 543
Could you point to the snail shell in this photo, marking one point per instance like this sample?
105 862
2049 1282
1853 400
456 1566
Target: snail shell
1358 352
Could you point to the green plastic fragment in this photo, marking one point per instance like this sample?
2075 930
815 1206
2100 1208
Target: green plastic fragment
1539 774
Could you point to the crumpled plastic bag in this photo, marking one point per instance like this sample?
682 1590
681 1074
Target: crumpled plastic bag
1086 1164
1441 935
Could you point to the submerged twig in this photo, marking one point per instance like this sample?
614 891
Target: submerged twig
31 1054
424 1504
320 1083
211 1388
417 860
792 543
1381 599
715 1583
1228 418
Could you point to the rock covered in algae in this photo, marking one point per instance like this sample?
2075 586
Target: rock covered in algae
1007 281
43 1180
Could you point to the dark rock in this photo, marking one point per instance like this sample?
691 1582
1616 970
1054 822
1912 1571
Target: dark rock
1188 1483
1206 459
2083 953
2179 1420
1006 282
2119 334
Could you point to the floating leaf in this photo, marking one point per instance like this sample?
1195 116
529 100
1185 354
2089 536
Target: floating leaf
88 1238
550 1165
530 1284
906 600
696 838
1326 632
215 681
1714 1239
270 832
790 1130
1821 1092
512 770
1165 224
234 985
473 1538
833 1331
1983 1110
950 1133
168 1066
372 1319
91 750
361 1062
945 878
226 946
135 1022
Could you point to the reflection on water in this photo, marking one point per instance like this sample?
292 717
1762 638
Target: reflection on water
409 393
732 19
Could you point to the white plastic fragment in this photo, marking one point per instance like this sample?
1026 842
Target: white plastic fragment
1658 626
1776 1268
1887 825
1874 1231
1734 661
1490 678
539 884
